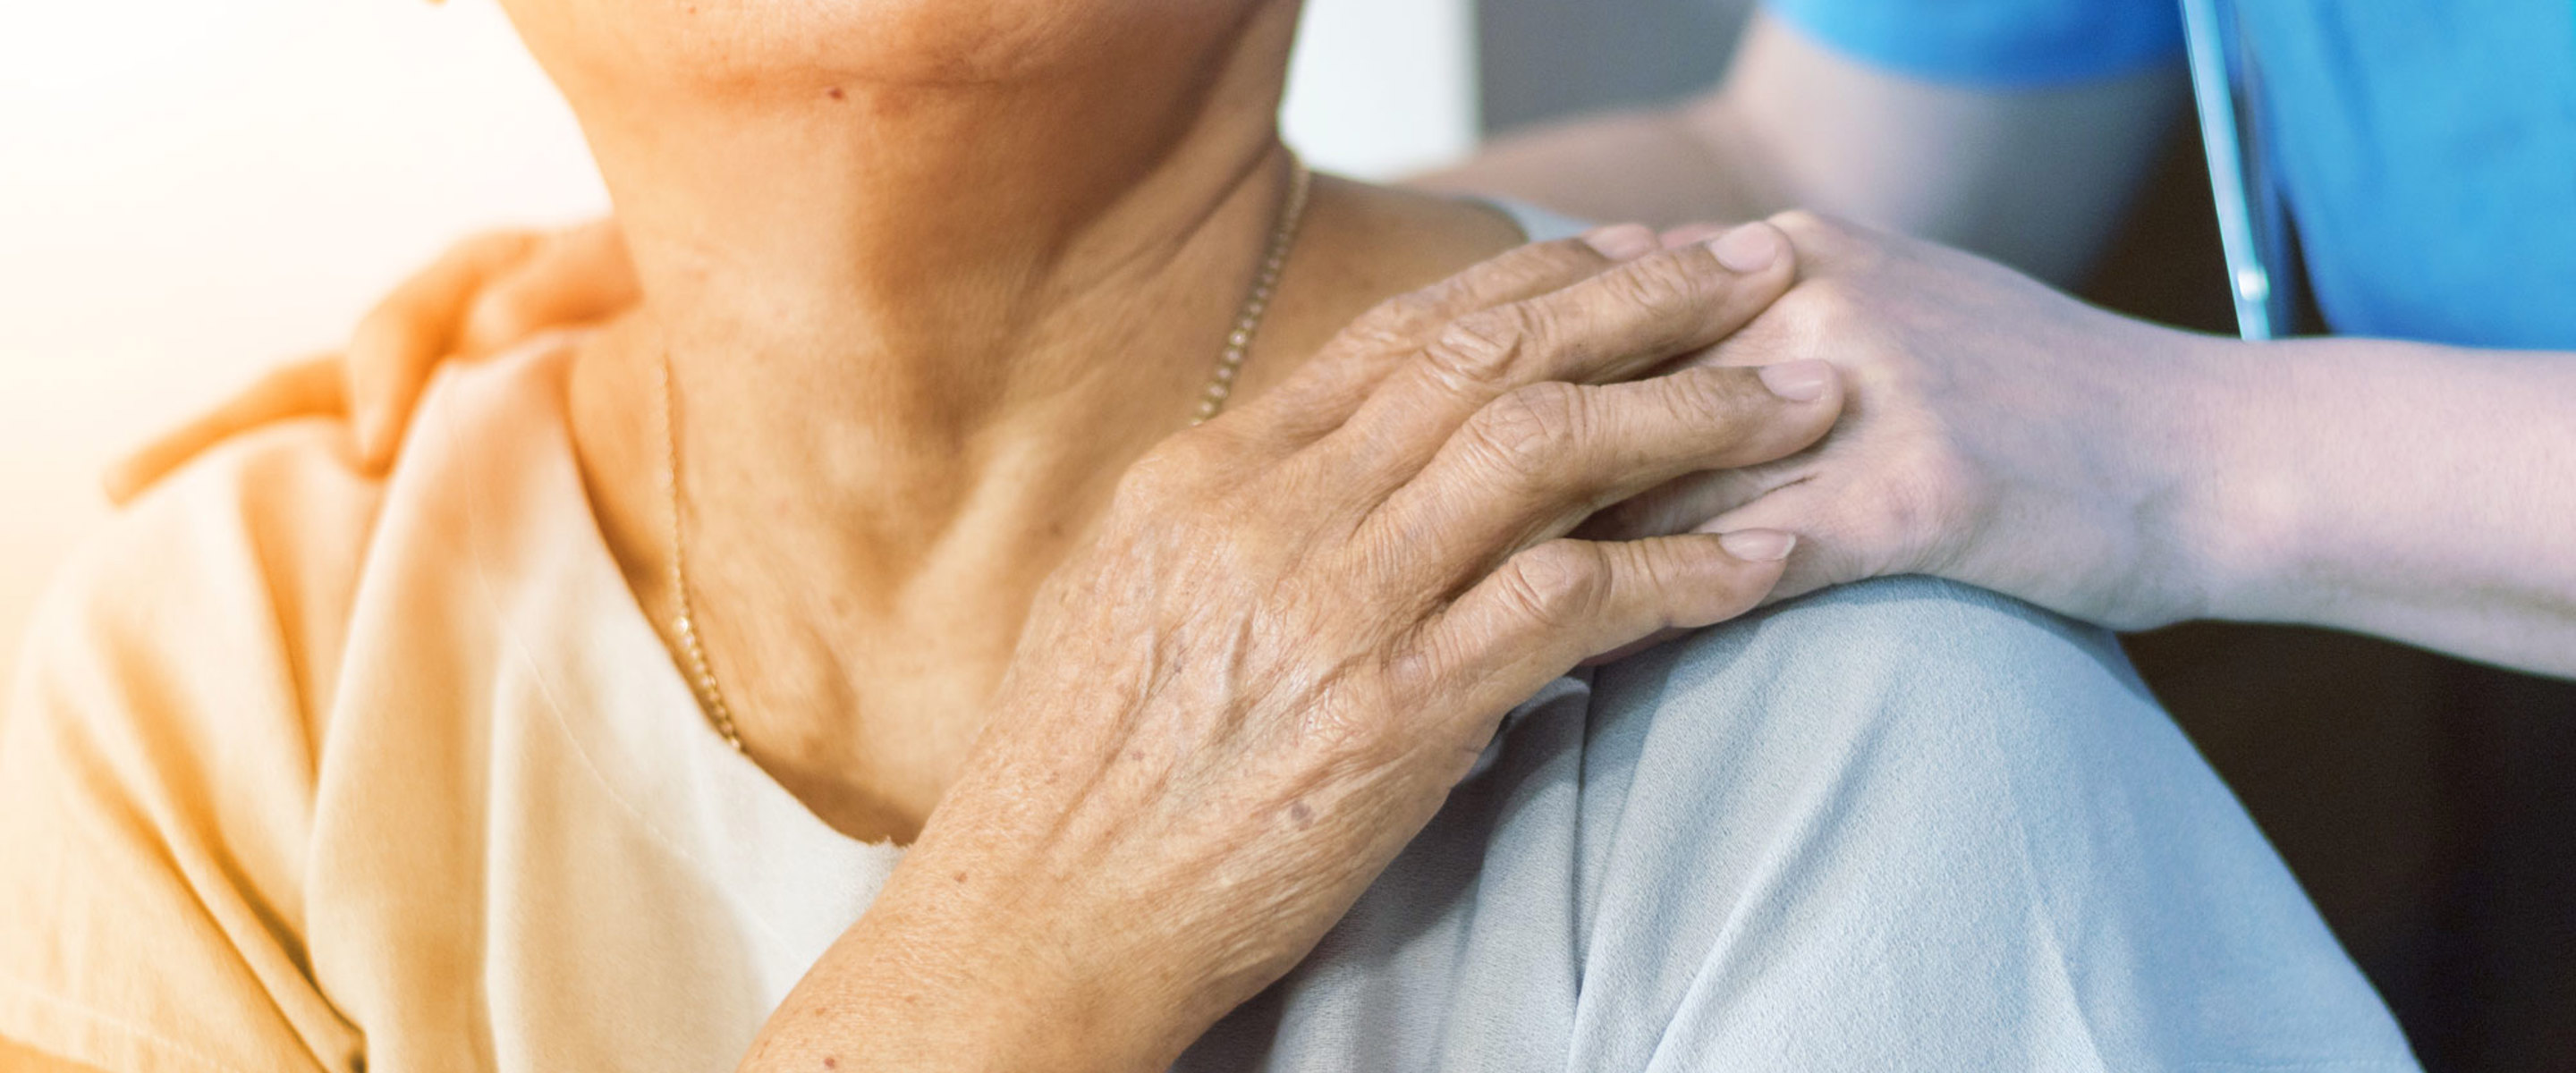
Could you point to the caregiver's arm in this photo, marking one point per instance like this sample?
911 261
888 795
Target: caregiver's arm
2034 178
2002 434
2416 492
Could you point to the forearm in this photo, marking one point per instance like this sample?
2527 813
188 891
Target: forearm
957 966
2036 179
2422 493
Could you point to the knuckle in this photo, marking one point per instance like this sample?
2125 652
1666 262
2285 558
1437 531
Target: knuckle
1482 348
1404 316
1556 583
1927 493
1529 431
1664 565
1657 284
1823 308
1723 404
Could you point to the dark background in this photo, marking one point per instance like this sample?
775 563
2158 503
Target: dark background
2428 805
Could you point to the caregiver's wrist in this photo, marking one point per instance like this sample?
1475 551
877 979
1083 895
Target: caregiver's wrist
2239 511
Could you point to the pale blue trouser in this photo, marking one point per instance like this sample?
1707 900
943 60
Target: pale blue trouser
1901 825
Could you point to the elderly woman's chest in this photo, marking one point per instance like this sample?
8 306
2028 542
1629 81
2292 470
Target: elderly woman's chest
530 853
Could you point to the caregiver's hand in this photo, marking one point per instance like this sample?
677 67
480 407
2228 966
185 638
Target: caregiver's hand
1296 628
484 294
1998 433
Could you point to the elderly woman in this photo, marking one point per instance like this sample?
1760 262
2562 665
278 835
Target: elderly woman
849 660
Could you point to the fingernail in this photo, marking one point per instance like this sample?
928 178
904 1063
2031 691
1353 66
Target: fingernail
1622 242
1750 248
1798 381
1758 545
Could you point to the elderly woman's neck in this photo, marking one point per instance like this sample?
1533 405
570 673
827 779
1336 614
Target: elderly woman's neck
940 260
900 317
901 403
941 297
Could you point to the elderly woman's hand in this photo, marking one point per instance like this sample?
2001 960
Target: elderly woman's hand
1296 629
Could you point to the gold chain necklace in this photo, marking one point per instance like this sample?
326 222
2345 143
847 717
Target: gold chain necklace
1229 362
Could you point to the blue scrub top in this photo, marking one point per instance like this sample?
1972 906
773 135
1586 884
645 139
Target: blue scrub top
2427 147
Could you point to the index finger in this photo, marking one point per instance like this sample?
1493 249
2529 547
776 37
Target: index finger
1616 325
404 337
1324 393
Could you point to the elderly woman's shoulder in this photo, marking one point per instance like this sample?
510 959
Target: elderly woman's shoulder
266 531
1825 836
254 553
174 703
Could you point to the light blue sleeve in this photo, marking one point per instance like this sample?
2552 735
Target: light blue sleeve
1902 825
1912 825
1995 43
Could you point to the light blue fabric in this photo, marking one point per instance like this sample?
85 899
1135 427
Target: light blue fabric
2429 152
2428 146
1998 43
1901 825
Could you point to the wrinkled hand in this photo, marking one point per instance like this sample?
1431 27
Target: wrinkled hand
1997 433
485 294
1297 627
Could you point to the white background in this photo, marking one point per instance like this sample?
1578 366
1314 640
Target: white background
191 190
